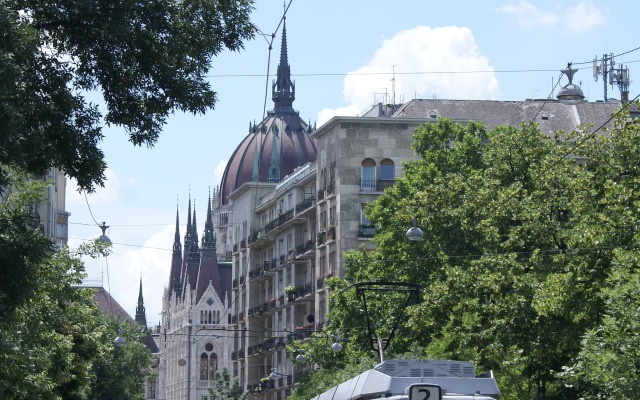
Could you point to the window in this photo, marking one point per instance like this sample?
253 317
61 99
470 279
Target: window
151 389
368 180
332 263
366 226
387 169
208 363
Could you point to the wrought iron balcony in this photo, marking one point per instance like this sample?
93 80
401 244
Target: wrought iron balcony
375 185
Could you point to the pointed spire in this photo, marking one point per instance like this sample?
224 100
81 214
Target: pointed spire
141 316
284 90
194 228
176 259
209 240
187 235
176 240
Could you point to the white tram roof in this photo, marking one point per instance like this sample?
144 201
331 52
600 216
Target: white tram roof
392 377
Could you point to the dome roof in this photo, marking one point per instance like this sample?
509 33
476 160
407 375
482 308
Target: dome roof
277 145
271 151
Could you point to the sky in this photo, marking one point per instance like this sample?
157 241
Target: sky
344 57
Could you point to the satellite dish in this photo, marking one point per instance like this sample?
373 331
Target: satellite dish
310 318
182 362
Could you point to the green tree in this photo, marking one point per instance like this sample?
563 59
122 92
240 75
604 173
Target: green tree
121 372
226 388
54 341
148 59
22 248
525 237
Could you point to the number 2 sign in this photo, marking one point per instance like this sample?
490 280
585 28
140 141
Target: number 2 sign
425 392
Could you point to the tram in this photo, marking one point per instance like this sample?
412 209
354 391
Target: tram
417 380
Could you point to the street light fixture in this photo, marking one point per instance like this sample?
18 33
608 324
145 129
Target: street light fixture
104 238
414 233
570 94
275 375
119 341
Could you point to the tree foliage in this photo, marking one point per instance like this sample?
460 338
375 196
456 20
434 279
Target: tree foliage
226 388
54 341
529 253
148 59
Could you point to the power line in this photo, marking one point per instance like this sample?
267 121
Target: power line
342 74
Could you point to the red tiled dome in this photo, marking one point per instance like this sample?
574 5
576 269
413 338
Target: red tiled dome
271 151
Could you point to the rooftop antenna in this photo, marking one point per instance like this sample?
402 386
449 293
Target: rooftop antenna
393 85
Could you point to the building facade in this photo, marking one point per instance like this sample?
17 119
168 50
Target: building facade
293 233
192 338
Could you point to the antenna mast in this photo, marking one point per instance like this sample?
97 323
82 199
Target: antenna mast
618 76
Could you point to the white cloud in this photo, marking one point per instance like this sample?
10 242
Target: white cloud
152 262
576 19
420 56
219 170
106 195
583 17
528 15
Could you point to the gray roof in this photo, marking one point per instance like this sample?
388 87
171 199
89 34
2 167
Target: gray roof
393 377
551 115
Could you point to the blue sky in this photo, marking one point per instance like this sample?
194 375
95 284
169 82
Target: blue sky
343 55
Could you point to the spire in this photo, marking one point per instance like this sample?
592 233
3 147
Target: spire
141 316
284 91
176 240
187 234
194 230
209 240
176 259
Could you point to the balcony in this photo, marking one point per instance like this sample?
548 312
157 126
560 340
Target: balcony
321 238
280 220
331 233
375 185
367 230
256 272
320 195
331 189
305 204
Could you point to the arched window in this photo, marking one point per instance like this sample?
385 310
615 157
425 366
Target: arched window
208 363
387 170
368 180
204 367
213 366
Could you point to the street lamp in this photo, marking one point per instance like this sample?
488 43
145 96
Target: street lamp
119 341
104 238
570 94
275 375
414 233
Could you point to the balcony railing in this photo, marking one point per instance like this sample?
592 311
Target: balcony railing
375 185
331 233
304 247
305 204
320 195
331 188
321 238
367 230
